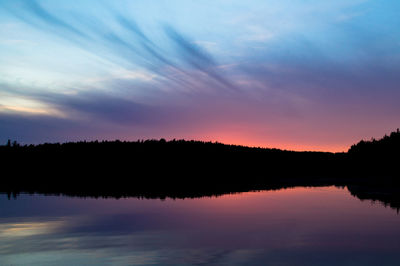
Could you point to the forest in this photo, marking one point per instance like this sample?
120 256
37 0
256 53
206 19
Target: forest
180 168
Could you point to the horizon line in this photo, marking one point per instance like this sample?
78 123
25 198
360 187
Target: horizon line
171 140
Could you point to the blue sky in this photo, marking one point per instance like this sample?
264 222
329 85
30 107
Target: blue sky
301 74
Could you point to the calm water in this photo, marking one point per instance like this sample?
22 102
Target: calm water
300 226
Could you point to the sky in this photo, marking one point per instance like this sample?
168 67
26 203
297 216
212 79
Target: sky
299 74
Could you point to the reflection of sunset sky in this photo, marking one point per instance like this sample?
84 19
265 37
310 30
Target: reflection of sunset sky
292 226
302 75
26 229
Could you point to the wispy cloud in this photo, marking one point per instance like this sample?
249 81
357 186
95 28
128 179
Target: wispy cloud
133 46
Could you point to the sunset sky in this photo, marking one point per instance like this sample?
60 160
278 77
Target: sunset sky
291 74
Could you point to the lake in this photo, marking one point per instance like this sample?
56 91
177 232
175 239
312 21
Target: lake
296 226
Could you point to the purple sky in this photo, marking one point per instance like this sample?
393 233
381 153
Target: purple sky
302 75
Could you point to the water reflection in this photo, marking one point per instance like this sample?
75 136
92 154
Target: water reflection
299 226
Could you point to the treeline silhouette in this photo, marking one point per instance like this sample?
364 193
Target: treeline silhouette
377 157
179 168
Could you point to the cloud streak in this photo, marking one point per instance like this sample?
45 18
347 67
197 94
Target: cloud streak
133 46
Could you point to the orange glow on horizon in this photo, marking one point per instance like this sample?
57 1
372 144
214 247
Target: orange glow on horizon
271 143
287 146
254 135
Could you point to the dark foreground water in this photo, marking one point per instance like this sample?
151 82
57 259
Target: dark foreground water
300 226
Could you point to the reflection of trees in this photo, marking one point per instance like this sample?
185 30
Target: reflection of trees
179 168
